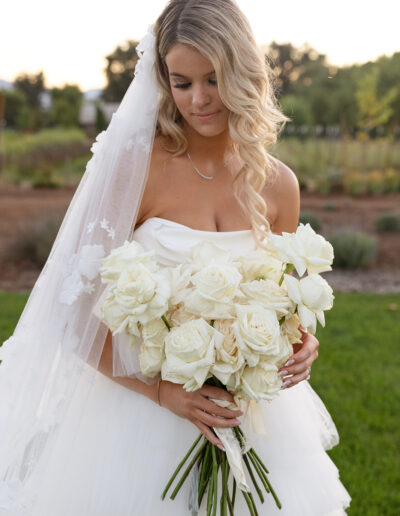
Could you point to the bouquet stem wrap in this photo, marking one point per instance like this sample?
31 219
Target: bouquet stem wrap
252 422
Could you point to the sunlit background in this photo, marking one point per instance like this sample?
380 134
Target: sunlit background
69 40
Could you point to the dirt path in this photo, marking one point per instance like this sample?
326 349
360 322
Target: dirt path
19 206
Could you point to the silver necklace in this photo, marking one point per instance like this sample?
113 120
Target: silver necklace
198 171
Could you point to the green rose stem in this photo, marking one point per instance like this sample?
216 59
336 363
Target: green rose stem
187 471
224 508
215 481
233 492
204 474
259 492
210 495
230 504
288 269
180 466
259 467
166 322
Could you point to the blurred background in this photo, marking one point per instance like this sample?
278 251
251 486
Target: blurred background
65 68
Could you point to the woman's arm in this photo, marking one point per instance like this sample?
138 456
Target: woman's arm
106 368
195 406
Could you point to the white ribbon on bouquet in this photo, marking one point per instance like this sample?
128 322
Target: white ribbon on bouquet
251 423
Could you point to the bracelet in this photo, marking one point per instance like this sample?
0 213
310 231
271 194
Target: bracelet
158 391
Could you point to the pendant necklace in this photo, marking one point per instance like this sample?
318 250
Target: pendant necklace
198 171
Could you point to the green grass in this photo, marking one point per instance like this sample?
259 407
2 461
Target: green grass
357 377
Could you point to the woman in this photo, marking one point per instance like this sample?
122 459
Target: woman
210 178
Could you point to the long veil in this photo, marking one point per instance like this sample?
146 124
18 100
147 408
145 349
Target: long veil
58 334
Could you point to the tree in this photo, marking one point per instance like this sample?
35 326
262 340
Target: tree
295 68
66 105
14 102
373 110
32 86
120 71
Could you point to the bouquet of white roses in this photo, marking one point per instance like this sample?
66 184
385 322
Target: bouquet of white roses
222 321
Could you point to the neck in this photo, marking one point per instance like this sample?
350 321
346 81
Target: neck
215 148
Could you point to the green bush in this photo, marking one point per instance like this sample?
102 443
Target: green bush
35 239
392 180
375 181
355 184
388 222
311 218
330 206
353 249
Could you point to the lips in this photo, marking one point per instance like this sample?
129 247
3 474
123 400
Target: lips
205 116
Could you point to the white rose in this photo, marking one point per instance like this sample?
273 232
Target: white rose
261 382
121 257
179 278
312 295
260 265
215 286
114 315
180 315
316 251
290 328
268 294
285 351
205 252
152 352
305 249
190 353
257 332
228 357
139 295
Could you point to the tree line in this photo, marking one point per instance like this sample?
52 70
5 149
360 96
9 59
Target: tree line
359 99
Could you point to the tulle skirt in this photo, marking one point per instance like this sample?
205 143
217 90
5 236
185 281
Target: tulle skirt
119 458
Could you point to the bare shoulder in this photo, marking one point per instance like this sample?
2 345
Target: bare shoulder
285 191
159 158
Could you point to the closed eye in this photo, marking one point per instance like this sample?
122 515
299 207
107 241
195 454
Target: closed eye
187 84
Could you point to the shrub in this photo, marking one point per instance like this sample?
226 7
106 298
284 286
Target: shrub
330 206
375 181
354 184
388 222
35 239
311 218
353 249
392 180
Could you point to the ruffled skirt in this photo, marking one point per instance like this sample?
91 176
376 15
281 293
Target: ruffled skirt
120 457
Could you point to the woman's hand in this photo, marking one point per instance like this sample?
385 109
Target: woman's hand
199 409
299 364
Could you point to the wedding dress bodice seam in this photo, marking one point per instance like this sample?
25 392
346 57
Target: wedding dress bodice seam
173 222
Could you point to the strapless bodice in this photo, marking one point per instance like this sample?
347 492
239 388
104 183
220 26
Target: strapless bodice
172 241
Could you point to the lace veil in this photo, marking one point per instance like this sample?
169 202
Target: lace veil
58 335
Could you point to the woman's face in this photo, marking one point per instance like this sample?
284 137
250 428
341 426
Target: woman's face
195 91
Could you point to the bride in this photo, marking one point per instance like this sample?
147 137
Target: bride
109 442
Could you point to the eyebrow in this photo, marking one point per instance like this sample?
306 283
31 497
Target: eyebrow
174 74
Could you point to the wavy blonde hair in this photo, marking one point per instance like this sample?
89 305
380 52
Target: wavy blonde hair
220 31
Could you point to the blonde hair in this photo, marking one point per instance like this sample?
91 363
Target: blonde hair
220 31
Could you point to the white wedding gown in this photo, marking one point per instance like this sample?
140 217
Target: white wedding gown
127 447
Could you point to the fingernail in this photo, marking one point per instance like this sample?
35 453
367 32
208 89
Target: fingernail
286 384
236 421
221 447
289 362
283 373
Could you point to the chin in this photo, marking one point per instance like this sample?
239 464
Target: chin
209 130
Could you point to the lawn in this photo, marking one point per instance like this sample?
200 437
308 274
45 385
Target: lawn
357 376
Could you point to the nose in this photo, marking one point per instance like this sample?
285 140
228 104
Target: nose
200 97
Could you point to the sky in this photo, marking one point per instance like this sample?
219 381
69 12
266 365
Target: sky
69 40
